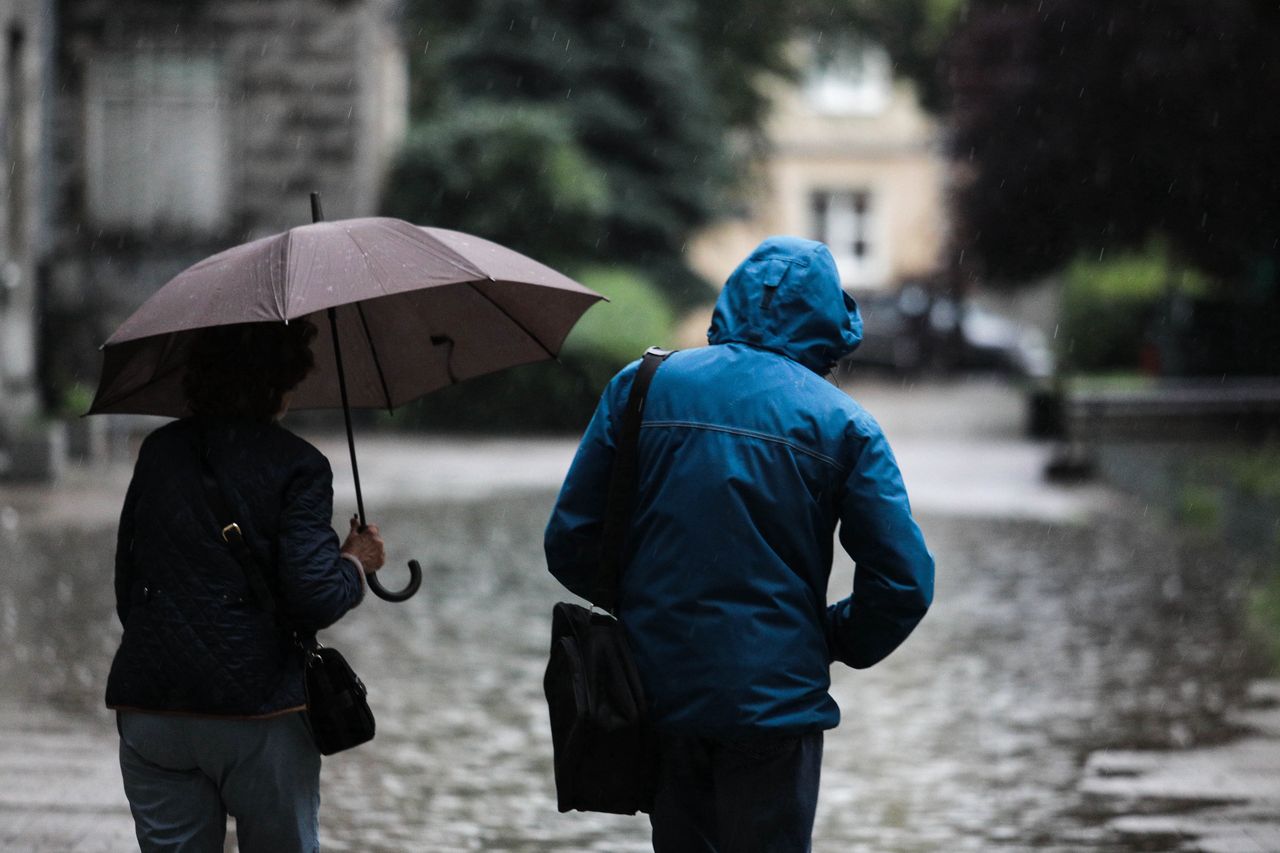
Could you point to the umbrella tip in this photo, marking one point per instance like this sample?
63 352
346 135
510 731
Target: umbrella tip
317 212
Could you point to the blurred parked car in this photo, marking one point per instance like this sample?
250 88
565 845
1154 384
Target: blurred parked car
912 330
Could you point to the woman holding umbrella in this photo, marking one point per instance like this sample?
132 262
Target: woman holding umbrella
207 683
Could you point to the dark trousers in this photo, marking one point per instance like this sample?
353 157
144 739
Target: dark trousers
738 795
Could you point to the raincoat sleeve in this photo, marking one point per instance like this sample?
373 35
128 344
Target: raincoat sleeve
572 540
317 586
893 581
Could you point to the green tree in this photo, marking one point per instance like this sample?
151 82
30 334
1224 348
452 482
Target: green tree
651 95
624 84
599 135
512 173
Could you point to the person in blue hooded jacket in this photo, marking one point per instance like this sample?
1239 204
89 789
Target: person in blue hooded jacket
749 460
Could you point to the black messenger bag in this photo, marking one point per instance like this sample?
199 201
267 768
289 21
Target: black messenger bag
605 752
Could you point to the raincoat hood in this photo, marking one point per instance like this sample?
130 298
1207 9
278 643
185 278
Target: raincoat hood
786 297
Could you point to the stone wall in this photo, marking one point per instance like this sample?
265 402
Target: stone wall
24 63
250 106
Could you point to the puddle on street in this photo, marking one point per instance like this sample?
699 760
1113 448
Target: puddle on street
1047 642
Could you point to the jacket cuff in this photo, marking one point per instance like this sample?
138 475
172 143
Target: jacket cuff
355 561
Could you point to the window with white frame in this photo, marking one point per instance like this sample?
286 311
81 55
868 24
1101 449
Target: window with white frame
156 141
849 77
846 221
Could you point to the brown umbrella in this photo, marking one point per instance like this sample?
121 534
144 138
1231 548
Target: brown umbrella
411 310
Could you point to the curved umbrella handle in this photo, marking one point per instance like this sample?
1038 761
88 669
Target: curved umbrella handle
415 581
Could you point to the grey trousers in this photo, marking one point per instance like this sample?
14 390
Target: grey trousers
184 775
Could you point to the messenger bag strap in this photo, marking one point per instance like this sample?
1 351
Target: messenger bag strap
231 533
622 485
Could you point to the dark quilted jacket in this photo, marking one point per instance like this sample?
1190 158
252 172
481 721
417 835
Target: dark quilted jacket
195 640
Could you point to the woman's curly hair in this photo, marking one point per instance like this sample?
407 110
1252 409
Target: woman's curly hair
244 370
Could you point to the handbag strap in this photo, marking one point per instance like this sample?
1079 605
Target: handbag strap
231 533
622 485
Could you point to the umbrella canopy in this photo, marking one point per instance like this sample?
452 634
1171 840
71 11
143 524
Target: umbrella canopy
409 310
416 309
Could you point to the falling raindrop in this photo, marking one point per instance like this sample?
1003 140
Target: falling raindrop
64 590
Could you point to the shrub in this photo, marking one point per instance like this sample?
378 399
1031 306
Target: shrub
1109 306
635 317
556 396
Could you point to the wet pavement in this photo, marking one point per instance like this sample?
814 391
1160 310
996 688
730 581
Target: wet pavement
1083 683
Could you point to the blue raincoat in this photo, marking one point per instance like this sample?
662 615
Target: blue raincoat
748 461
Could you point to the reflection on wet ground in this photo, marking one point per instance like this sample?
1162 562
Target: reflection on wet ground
1047 642
1050 639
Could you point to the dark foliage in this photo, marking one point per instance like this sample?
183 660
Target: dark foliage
620 91
548 397
1084 126
656 98
512 174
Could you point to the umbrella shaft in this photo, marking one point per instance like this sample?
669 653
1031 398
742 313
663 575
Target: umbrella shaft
346 412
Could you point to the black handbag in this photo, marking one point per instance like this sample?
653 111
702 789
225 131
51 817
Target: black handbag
337 709
605 752
338 712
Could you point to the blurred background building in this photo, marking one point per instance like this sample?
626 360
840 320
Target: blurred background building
141 136
992 206
180 129
26 30
851 159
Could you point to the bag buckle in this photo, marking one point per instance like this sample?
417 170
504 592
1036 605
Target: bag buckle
229 529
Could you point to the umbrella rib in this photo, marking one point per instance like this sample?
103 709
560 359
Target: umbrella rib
279 282
422 237
369 264
158 372
373 351
441 250
521 326
367 257
164 355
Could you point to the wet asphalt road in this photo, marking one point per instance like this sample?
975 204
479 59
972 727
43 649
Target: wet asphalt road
1067 621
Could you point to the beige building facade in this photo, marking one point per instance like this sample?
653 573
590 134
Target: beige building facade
852 160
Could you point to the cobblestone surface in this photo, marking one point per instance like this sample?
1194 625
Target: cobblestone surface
989 731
